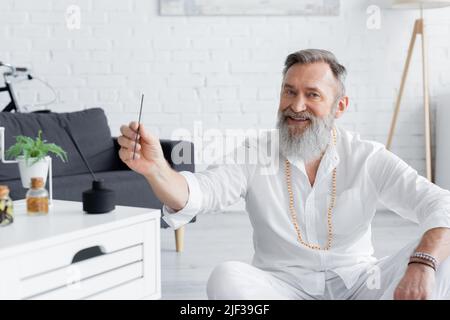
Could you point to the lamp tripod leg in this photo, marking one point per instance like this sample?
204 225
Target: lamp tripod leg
402 84
426 104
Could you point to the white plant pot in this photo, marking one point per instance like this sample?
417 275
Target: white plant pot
39 169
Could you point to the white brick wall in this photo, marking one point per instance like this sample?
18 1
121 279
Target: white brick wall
223 71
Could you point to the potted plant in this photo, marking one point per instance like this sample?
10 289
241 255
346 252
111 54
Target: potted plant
32 156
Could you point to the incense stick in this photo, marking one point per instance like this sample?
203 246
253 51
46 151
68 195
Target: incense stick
139 125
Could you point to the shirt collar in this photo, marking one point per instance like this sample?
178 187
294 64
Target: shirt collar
330 160
298 163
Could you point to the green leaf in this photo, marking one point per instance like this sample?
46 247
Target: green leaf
34 148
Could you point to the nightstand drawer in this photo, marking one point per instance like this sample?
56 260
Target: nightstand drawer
62 255
96 284
75 276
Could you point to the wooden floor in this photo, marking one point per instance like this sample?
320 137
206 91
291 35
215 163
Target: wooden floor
215 238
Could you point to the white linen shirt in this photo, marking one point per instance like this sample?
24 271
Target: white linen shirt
366 174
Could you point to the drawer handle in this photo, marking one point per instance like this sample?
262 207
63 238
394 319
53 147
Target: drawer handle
88 253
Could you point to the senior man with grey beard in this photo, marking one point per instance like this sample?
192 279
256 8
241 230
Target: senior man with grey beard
312 217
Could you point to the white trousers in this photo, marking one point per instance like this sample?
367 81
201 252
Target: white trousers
237 280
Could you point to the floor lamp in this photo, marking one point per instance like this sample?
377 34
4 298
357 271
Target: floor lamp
419 29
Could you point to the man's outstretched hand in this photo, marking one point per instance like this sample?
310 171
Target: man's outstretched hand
417 283
149 155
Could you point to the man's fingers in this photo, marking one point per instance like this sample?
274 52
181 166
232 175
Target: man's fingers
133 125
130 132
126 155
127 132
128 143
397 295
123 141
401 294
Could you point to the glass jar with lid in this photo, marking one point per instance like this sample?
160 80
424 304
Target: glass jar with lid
6 206
37 198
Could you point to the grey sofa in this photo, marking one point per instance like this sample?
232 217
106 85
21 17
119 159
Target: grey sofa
92 133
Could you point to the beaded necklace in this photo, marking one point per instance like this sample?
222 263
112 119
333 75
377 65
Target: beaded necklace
330 207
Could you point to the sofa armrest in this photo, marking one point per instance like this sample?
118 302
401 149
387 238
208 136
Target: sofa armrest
184 149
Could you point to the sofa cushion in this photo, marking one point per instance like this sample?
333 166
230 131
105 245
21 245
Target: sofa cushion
89 128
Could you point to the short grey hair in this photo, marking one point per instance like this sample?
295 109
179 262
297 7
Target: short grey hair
309 56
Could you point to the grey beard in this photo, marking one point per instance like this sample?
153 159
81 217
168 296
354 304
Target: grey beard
309 144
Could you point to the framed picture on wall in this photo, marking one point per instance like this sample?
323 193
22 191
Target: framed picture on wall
249 7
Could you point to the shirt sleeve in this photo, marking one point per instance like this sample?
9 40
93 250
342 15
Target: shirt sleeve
219 186
400 188
177 219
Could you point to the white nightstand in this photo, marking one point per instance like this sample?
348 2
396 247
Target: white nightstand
72 255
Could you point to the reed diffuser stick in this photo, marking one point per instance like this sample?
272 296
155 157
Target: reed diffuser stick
139 126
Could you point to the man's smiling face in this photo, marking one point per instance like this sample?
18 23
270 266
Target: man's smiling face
310 101
308 90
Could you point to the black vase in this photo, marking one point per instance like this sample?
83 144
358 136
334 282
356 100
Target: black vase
98 199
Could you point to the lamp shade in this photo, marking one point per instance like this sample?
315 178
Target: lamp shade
417 4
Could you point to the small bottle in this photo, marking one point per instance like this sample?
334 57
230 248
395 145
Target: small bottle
6 206
37 198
